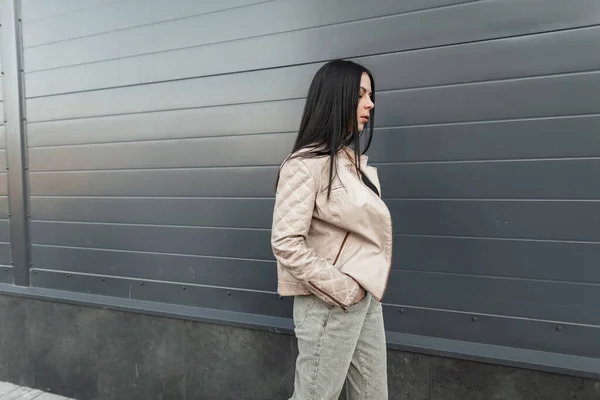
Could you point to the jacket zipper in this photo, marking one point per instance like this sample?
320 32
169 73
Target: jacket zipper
324 293
339 253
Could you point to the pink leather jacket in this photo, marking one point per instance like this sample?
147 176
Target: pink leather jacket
334 248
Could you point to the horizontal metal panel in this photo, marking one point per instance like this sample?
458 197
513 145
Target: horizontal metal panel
485 140
536 179
229 25
217 242
4 231
39 9
488 60
237 213
3 207
502 219
471 22
203 152
559 261
248 87
521 98
496 330
189 295
499 140
2 135
496 219
554 301
3 164
3 184
272 117
233 273
5 258
208 182
6 274
512 57
116 16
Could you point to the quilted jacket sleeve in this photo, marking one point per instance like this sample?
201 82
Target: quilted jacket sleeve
292 215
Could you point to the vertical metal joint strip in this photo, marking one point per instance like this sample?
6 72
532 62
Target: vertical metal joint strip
16 139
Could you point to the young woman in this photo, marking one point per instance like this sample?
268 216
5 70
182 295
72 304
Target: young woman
332 238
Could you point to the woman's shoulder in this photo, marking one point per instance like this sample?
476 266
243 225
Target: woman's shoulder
314 162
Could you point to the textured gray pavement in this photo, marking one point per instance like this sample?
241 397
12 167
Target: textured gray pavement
8 391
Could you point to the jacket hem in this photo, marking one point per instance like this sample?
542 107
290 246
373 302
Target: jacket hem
290 289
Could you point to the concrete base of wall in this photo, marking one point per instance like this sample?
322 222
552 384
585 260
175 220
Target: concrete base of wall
91 353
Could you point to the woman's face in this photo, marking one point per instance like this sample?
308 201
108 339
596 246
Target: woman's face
365 105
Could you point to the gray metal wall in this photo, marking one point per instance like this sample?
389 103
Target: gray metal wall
155 129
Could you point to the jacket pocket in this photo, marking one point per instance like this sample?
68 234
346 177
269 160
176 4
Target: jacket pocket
341 249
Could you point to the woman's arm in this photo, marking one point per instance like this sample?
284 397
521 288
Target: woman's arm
294 206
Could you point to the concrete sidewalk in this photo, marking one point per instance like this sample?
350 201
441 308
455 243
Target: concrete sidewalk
8 391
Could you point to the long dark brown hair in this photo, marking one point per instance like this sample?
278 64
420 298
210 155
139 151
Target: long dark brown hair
329 113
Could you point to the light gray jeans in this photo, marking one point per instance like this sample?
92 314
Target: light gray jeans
337 347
